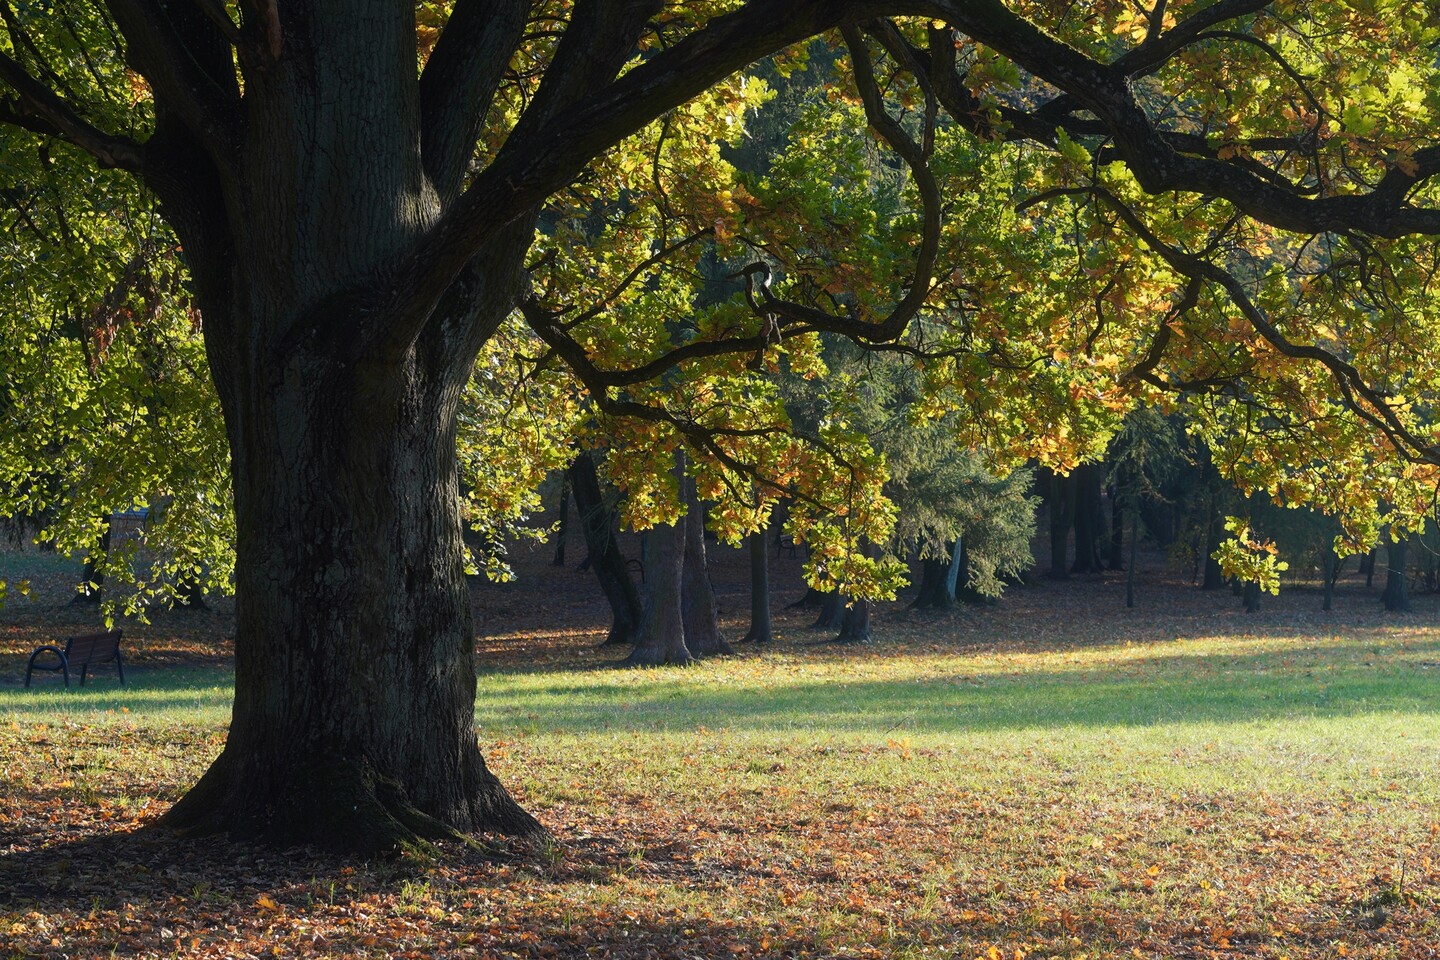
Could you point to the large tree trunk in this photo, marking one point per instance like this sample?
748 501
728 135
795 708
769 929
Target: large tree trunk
855 623
662 635
598 523
353 723
340 381
697 595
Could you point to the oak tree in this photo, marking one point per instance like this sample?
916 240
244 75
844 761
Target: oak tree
1097 205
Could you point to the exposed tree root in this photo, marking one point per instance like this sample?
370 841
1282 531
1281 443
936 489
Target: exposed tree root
341 805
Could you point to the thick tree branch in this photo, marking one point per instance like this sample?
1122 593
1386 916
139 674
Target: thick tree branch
1105 91
895 136
37 108
597 42
187 62
562 139
459 83
1358 396
215 11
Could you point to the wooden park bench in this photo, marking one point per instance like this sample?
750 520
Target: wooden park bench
80 652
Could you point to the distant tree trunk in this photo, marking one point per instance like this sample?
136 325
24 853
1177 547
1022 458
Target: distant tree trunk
855 617
812 600
1061 503
661 637
91 579
759 631
832 612
1089 519
1329 568
1251 596
188 593
1117 524
1397 592
1159 519
1368 564
855 622
958 572
1214 576
1134 542
598 524
563 530
697 596
932 592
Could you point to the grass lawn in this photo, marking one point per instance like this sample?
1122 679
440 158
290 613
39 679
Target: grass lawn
1054 776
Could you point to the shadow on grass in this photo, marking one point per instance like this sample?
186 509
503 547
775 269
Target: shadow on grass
147 890
147 691
1223 689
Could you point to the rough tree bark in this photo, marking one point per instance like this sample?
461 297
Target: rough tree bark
855 623
1250 596
832 611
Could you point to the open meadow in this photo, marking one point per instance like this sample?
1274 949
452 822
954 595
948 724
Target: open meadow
1052 776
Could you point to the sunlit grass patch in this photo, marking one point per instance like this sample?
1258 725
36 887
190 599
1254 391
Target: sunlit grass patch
1262 795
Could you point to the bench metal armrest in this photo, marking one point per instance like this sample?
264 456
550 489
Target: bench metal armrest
63 665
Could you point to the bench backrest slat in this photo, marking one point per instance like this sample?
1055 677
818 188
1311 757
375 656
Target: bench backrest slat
93 647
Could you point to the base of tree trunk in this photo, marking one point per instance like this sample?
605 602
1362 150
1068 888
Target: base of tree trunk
618 638
832 613
763 635
1251 596
652 657
714 647
343 805
812 600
